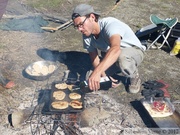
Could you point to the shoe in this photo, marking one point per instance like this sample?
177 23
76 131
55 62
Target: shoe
135 84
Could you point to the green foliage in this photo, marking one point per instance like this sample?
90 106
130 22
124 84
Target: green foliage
1 47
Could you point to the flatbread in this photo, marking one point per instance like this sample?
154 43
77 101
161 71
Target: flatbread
28 71
60 104
51 68
70 86
158 109
61 86
36 68
76 104
44 70
74 95
59 95
35 73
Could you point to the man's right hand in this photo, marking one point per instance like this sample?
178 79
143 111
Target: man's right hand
94 81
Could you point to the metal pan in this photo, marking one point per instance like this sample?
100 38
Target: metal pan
172 121
40 64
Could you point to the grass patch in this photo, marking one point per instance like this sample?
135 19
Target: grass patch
50 4
1 46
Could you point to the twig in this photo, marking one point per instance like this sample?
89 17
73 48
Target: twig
53 29
176 91
176 102
115 6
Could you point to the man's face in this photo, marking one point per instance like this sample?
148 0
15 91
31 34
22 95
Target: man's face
84 25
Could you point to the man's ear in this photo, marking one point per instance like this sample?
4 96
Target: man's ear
92 16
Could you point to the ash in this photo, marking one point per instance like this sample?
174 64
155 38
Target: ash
107 116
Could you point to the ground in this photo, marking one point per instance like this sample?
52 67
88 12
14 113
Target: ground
19 49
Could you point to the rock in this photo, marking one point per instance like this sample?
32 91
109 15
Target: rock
19 117
93 115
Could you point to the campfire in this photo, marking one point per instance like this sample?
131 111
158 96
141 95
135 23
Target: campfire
102 116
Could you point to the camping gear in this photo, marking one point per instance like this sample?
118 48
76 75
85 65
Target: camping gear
162 26
176 48
175 32
29 24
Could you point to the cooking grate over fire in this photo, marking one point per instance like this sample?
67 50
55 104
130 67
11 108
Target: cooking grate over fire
46 120
56 124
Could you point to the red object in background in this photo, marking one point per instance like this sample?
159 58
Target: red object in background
164 88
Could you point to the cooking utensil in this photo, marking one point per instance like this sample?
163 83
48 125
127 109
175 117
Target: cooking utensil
38 74
105 83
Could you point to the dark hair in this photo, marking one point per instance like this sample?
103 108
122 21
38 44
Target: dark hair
75 15
96 17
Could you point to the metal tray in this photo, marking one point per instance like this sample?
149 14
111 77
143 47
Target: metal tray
158 99
172 121
67 92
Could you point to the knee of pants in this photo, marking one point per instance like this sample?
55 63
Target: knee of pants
128 67
128 72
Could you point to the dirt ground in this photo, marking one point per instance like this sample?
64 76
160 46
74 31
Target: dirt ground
19 49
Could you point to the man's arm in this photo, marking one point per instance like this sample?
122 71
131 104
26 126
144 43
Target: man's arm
94 58
109 59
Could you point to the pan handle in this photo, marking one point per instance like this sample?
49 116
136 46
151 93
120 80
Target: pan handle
66 74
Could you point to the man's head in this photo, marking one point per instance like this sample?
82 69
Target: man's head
83 10
84 16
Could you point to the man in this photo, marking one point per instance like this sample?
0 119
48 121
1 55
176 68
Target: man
3 81
117 42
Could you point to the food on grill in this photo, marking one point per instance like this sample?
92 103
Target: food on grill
59 95
74 95
76 104
60 104
158 109
61 86
70 86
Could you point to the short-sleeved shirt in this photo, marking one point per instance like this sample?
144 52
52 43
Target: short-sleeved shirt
108 27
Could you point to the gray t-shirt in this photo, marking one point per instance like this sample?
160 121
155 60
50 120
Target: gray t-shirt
108 27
